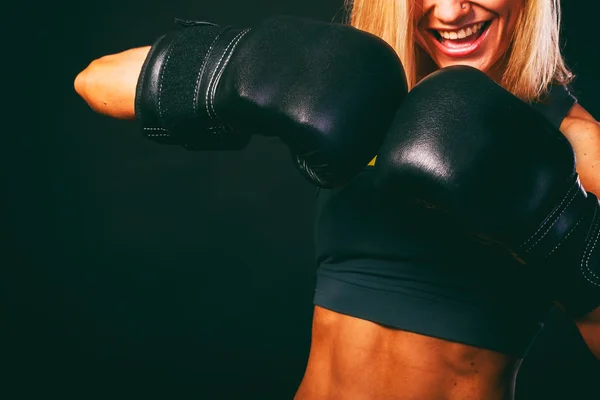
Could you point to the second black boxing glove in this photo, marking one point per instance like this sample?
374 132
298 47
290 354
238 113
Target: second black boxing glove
463 145
329 91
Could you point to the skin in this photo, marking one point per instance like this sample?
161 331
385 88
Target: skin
354 359
108 83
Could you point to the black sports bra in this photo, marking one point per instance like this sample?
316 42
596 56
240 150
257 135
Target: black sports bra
404 268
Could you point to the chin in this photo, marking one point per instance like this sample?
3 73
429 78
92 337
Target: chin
481 65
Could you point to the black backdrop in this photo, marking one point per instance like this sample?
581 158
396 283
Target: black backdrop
134 270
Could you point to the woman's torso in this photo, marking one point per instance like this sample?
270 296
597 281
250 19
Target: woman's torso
395 320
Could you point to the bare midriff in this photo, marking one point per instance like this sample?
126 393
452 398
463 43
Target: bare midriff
354 359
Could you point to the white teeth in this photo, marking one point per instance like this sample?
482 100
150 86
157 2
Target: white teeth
462 33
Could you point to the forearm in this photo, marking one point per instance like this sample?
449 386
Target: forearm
591 335
589 328
108 83
209 87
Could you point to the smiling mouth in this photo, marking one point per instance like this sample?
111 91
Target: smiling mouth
460 37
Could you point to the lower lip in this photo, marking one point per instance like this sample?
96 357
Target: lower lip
462 51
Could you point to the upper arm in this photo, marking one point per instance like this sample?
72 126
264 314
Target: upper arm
583 132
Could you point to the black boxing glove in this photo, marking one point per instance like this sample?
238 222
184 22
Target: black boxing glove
463 145
329 91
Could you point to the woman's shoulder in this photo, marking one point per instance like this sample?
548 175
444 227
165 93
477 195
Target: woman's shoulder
583 132
577 118
580 127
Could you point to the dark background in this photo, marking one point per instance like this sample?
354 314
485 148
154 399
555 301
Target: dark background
134 270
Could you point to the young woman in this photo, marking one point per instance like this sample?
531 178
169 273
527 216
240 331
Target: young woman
408 306
402 312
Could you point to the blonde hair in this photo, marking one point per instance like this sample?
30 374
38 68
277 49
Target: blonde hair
533 61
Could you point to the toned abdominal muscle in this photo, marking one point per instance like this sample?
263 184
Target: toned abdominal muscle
353 359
